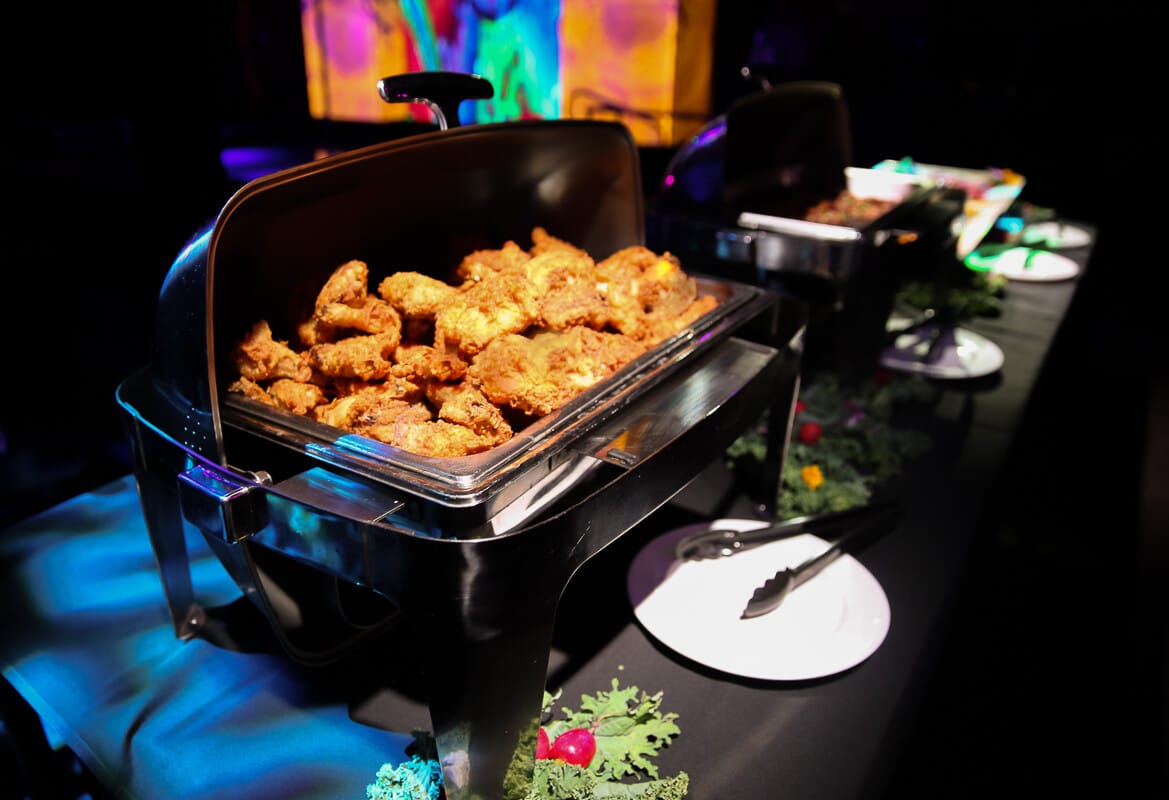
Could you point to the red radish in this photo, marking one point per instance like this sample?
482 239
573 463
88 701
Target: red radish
575 746
810 432
542 744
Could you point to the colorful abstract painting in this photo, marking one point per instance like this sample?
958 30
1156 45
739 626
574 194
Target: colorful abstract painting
643 62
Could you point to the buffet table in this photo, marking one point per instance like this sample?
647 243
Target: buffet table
89 644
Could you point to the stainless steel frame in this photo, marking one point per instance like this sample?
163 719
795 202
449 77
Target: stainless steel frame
475 588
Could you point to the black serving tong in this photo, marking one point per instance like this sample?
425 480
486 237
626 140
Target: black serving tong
723 542
771 594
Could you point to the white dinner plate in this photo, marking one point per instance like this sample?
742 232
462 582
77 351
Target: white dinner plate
1027 264
1055 234
964 354
829 624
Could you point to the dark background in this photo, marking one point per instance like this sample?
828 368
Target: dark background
115 117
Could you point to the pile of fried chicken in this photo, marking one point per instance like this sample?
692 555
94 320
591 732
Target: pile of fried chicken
449 369
847 208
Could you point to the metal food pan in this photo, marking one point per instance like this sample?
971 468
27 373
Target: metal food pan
485 483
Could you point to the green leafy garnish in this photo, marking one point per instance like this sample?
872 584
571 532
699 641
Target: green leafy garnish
556 780
629 727
979 295
858 447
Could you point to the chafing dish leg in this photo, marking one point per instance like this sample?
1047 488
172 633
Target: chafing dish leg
157 464
485 676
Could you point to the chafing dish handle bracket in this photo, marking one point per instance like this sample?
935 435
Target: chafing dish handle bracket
219 501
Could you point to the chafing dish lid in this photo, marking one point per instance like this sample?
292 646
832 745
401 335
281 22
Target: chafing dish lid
417 203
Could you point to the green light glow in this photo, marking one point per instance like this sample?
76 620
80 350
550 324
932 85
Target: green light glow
981 262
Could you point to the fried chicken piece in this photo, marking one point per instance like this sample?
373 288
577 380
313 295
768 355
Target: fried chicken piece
662 326
463 404
544 242
348 285
437 438
251 390
566 283
644 290
344 302
395 415
364 357
260 357
538 375
499 305
482 264
312 331
416 295
372 405
618 277
393 386
297 397
373 316
421 362
665 289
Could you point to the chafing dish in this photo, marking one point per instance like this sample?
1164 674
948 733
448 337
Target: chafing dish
733 199
337 539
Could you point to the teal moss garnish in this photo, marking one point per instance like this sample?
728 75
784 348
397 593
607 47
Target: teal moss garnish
415 779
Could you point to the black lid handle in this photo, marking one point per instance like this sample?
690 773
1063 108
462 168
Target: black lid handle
442 91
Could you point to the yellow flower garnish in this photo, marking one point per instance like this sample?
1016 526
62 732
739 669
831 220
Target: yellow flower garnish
812 476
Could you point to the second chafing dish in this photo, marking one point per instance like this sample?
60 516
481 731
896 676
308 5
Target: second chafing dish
733 200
